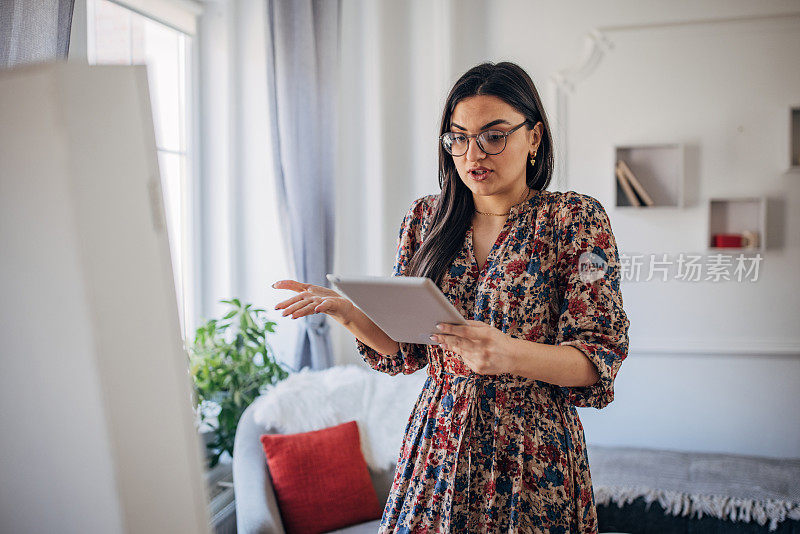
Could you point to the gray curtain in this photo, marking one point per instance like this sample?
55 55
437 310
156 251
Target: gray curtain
33 31
302 55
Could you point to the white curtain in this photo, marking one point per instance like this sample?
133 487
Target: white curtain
397 64
302 58
238 234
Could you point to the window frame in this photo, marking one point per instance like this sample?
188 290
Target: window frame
182 16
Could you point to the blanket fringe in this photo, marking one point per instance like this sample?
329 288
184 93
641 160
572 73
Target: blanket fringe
722 507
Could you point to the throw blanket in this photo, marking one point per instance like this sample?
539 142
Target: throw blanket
311 400
726 486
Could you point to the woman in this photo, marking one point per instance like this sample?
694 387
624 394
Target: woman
494 443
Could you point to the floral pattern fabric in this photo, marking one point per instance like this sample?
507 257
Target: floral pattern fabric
506 453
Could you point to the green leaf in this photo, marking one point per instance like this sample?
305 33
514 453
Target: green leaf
227 373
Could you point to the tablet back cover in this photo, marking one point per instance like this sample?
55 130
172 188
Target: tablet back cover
407 310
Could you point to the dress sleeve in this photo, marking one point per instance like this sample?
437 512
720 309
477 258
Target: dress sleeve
591 317
412 356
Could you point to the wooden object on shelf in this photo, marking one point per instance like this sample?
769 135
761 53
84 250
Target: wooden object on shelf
636 184
751 239
740 216
657 171
626 187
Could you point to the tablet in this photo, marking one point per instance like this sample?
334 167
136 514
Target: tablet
407 308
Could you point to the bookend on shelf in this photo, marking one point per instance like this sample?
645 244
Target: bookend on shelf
631 186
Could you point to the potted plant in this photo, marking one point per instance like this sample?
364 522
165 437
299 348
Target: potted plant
231 363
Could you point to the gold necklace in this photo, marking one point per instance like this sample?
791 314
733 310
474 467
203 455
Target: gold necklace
509 212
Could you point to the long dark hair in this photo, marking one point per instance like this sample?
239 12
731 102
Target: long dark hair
453 211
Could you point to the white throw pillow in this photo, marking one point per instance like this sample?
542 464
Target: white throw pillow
379 403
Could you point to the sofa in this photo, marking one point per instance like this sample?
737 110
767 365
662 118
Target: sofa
311 400
256 507
636 489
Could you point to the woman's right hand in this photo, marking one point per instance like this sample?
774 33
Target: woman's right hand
314 299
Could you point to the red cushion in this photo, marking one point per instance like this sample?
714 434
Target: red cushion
321 479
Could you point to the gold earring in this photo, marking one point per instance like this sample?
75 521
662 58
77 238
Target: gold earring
533 158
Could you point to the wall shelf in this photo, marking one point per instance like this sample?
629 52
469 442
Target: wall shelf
738 215
794 139
658 169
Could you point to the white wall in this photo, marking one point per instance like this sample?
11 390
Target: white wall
712 367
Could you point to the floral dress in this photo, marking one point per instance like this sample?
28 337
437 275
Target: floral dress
506 453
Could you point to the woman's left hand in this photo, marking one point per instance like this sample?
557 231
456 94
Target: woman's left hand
483 348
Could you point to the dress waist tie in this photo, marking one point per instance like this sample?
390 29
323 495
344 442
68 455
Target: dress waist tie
482 391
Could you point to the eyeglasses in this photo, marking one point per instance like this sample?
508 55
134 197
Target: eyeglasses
490 142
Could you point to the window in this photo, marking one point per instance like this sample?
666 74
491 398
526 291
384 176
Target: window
117 35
